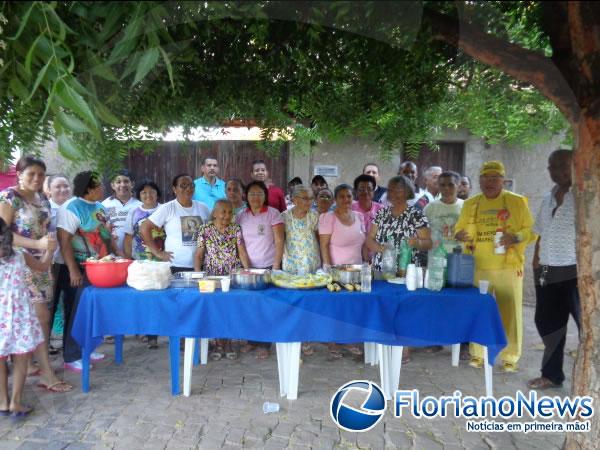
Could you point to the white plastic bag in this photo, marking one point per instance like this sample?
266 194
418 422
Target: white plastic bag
147 275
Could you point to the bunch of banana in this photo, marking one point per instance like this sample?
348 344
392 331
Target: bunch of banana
337 287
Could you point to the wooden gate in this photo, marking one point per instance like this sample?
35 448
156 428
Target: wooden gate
234 157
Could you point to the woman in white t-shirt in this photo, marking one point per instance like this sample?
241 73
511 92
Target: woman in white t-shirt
181 219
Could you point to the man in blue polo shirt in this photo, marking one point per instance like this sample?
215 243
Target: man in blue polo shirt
209 187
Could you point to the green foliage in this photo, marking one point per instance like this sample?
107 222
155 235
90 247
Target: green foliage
90 73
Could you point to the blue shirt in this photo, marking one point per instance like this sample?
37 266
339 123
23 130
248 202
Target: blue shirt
209 193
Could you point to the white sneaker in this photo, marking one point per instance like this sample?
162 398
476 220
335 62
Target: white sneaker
75 366
96 356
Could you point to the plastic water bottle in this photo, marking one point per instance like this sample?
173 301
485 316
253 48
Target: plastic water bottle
436 262
269 407
365 278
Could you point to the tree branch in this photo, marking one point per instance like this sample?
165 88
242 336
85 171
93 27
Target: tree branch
522 64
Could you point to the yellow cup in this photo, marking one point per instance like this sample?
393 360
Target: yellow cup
206 286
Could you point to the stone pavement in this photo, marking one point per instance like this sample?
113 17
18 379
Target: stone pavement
130 406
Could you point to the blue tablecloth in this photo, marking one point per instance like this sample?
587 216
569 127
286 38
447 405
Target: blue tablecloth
388 315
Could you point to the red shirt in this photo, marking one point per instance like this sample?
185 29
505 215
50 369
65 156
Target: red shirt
276 198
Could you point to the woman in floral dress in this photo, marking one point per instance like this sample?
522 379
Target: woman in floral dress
301 249
396 223
220 250
27 212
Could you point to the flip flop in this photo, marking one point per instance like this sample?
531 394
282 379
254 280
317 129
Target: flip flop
335 354
55 387
307 350
216 356
19 415
355 350
262 353
35 373
231 355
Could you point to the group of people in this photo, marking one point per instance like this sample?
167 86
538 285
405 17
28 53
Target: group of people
218 226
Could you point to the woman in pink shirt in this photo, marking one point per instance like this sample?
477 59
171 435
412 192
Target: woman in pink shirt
342 237
341 232
263 233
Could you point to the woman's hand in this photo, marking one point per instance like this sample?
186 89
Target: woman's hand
463 236
51 242
42 243
76 277
164 255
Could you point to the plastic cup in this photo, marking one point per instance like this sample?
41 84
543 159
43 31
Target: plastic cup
484 285
225 282
269 407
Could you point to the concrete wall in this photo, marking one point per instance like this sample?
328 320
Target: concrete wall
527 169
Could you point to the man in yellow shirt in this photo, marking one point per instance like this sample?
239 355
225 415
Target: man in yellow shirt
496 226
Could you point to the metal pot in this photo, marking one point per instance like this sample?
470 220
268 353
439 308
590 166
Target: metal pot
346 273
252 279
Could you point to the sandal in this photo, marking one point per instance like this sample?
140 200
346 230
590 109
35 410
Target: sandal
247 348
262 353
335 354
355 350
542 383
509 367
231 355
57 387
216 356
307 349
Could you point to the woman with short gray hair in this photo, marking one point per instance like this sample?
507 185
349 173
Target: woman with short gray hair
301 248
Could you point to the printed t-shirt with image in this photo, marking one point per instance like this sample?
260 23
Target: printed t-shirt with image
442 218
88 224
134 221
117 214
259 238
181 226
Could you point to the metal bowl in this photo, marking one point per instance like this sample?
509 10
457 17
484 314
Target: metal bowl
252 279
186 279
346 273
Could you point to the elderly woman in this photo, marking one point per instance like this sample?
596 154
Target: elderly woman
341 238
341 232
234 190
263 233
398 222
324 201
181 219
27 212
301 250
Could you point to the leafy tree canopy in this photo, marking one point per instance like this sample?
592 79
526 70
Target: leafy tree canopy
90 73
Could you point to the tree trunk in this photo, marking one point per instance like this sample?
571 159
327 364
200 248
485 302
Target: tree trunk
586 188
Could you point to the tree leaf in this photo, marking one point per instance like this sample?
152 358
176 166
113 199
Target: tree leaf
146 64
169 66
30 52
73 123
38 79
76 103
18 88
104 71
23 23
106 116
67 148
129 40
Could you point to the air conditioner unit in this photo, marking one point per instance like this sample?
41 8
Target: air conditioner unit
327 171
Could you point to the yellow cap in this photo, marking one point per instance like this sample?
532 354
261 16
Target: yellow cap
492 166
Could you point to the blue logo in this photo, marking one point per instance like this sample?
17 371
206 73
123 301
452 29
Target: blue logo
360 419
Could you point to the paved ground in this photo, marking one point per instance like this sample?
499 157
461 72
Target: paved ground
130 406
